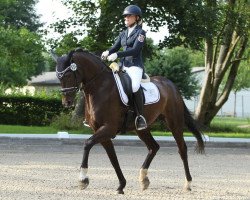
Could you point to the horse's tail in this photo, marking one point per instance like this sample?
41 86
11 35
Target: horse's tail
191 125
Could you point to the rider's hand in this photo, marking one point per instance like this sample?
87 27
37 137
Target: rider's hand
114 66
112 57
105 55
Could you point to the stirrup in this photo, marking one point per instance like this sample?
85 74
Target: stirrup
141 126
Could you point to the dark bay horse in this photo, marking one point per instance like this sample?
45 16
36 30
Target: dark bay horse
105 112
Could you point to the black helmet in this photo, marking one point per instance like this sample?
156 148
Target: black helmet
132 10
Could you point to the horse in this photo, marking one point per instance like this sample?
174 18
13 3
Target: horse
104 112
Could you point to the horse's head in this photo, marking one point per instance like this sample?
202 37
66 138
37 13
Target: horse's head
77 67
67 73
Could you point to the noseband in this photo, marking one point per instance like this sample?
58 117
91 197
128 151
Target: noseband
73 68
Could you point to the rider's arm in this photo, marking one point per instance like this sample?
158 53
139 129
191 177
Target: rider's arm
117 45
135 50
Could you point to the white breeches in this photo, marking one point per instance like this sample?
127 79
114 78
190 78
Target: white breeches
135 73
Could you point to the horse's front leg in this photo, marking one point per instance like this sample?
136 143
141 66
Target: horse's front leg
83 178
109 147
153 147
101 135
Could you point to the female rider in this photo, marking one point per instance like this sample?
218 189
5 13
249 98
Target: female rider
132 40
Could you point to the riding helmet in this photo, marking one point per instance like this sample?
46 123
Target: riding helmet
132 10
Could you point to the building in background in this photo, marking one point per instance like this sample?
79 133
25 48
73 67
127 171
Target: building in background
238 104
46 81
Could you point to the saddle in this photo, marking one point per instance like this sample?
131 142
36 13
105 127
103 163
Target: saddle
124 84
127 85
150 90
126 80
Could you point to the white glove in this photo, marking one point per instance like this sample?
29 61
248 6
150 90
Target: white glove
114 66
105 54
112 57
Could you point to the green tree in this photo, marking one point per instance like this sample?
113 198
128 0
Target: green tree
222 27
66 43
21 56
196 57
99 19
18 14
224 51
102 23
20 47
174 64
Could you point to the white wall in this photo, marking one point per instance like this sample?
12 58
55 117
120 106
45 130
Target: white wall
242 104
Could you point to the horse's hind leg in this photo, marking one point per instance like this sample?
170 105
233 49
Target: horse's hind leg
109 147
178 135
153 147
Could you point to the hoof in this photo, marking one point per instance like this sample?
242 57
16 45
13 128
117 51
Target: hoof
145 183
187 186
121 187
84 183
120 192
186 189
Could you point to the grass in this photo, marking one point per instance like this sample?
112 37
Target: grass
210 134
230 123
235 127
37 130
220 127
26 129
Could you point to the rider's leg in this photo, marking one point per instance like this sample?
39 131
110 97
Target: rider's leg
135 74
140 121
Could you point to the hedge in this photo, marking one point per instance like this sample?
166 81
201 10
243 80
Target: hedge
28 110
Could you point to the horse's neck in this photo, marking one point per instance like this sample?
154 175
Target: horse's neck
96 75
90 69
103 81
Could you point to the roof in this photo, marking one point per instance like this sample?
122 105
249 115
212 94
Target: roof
197 69
45 79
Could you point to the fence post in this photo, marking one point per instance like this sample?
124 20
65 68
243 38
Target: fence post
242 104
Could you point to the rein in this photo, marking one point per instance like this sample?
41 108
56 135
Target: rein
73 68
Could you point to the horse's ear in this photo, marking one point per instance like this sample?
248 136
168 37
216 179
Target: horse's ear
79 49
53 55
70 55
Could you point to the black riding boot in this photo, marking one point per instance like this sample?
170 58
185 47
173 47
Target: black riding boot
140 121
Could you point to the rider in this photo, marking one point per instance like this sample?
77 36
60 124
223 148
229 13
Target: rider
132 40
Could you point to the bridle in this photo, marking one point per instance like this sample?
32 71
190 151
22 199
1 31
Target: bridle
72 68
76 88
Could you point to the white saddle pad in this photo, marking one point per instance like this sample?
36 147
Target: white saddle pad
151 92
